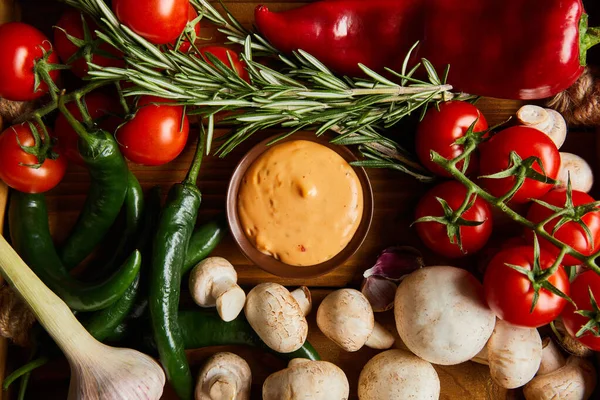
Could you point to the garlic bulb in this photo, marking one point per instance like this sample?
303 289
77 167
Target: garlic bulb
99 372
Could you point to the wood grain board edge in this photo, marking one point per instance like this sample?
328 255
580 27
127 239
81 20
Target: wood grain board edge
3 341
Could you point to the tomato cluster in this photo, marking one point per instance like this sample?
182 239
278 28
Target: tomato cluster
525 282
154 133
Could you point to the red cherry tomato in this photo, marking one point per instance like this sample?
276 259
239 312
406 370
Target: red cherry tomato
580 288
509 293
220 53
70 22
185 45
434 235
158 21
526 142
156 134
570 233
101 107
439 130
15 163
21 46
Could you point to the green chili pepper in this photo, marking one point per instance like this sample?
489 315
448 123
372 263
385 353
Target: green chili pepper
203 241
102 323
108 172
30 233
169 248
204 328
134 209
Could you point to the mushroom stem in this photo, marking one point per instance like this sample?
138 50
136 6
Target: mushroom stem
552 358
380 338
225 376
213 282
303 298
230 299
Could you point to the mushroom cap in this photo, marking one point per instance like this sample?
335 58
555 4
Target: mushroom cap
577 170
346 317
441 315
514 354
314 380
204 274
224 376
276 317
576 380
398 374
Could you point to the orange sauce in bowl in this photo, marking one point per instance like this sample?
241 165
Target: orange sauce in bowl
300 202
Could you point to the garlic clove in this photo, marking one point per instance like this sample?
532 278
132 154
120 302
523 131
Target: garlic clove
394 263
380 292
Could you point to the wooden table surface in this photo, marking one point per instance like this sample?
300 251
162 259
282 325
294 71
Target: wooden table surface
395 198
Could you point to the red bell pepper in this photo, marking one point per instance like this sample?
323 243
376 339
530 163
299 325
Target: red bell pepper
516 49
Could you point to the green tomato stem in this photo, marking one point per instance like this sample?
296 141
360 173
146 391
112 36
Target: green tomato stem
53 105
450 166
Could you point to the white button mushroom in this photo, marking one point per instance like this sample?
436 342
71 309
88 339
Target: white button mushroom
346 317
549 121
278 316
213 282
513 354
576 380
398 374
304 379
225 376
441 315
577 170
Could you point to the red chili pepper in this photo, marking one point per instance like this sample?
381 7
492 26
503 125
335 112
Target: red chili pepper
519 49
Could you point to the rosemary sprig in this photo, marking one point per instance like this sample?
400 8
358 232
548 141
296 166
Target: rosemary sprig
301 95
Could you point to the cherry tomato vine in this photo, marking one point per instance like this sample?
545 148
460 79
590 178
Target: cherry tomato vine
520 170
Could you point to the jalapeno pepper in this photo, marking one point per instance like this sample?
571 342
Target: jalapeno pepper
130 236
204 328
169 248
516 49
203 241
109 174
30 233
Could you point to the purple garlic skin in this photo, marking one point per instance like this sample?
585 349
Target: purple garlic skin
394 263
380 292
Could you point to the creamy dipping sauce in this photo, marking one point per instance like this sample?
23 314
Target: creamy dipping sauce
300 202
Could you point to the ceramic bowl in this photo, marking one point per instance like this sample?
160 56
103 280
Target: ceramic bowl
271 264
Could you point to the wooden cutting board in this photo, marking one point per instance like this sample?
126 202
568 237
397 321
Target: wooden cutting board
395 198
